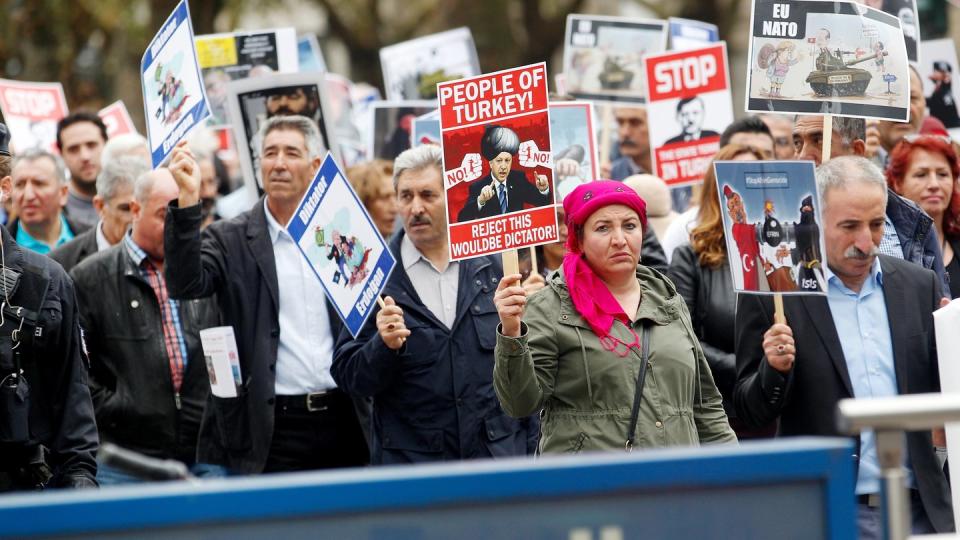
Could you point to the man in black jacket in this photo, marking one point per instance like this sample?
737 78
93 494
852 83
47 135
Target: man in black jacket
147 373
289 413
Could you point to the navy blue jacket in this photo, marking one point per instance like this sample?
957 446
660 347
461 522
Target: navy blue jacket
433 399
918 237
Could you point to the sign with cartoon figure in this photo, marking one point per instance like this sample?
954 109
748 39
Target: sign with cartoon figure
174 101
31 111
686 34
771 224
412 69
819 57
688 104
497 162
936 70
906 11
340 242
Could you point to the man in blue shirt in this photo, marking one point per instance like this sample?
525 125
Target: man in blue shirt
871 336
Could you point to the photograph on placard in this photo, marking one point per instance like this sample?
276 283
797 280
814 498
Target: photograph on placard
823 57
936 70
31 111
310 54
342 245
174 99
412 69
117 119
602 56
686 34
688 104
392 124
232 56
426 129
771 222
253 100
573 138
906 11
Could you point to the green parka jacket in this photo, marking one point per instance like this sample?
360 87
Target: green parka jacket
586 392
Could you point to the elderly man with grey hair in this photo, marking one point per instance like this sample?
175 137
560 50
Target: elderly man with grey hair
39 194
426 357
872 335
112 203
289 414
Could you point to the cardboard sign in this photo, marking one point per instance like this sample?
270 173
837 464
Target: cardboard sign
412 69
906 11
222 358
229 57
426 129
310 55
31 111
391 126
602 56
686 34
339 240
174 101
252 101
117 119
819 57
937 71
573 138
339 101
688 105
497 162
946 320
771 217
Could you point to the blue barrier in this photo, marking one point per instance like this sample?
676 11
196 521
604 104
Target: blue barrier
790 488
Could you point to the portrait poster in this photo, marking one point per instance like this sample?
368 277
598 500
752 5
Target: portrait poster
392 125
117 119
174 101
937 70
686 34
819 57
412 69
602 56
252 101
573 138
228 57
310 54
771 222
31 111
906 11
497 163
688 105
342 245
426 129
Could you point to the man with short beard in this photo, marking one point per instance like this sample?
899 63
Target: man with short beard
81 137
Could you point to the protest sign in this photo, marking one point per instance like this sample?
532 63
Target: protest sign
31 111
906 11
602 56
426 129
391 126
497 163
117 119
688 105
771 223
946 320
222 358
936 70
310 55
686 34
412 69
819 57
228 57
174 101
252 101
339 102
573 138
341 244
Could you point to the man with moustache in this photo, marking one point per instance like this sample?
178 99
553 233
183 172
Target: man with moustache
883 307
426 358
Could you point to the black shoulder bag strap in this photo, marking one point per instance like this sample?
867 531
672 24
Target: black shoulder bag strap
638 393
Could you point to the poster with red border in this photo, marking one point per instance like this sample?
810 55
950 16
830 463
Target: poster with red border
497 162
688 106
117 119
31 111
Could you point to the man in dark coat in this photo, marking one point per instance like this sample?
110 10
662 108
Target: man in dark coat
426 359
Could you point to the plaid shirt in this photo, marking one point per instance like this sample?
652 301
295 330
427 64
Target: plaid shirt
169 311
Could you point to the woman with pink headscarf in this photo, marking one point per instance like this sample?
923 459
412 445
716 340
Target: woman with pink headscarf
606 350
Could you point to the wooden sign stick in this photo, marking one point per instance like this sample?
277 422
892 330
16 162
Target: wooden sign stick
534 269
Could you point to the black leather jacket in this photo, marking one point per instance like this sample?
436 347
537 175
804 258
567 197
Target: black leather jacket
130 377
712 303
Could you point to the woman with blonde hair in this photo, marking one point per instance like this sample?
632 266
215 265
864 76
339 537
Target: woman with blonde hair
373 182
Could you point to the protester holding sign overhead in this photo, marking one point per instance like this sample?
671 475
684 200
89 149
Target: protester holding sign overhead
616 320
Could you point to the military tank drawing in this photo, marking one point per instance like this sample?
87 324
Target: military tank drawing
614 75
836 77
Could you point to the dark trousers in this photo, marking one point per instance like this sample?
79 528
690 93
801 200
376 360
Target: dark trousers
322 439
870 519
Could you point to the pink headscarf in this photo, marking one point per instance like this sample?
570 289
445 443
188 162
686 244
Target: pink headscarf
589 293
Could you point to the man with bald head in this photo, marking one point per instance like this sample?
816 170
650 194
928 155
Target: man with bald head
147 374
